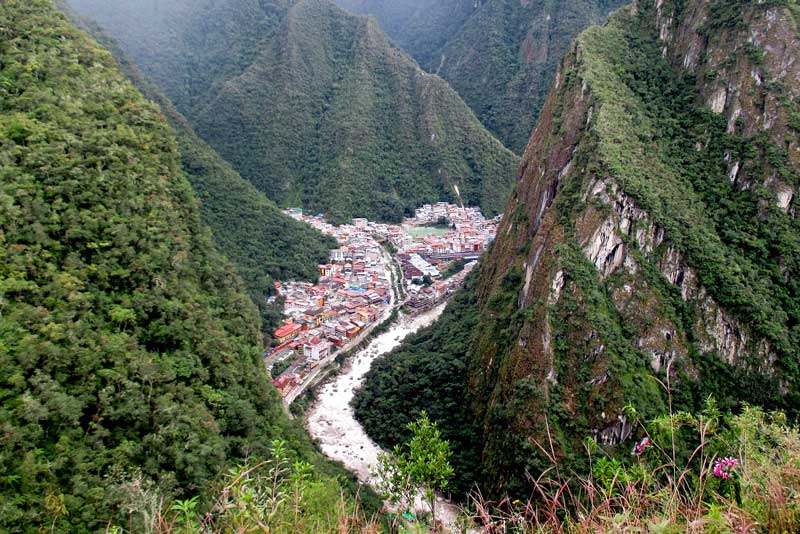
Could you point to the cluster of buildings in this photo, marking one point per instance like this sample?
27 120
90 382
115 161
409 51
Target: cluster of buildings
459 234
425 297
354 290
466 232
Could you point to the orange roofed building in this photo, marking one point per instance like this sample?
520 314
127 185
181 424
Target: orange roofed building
288 331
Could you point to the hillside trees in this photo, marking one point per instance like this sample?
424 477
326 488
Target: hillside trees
263 244
313 106
500 56
128 346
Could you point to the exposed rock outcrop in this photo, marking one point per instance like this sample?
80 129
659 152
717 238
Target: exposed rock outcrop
619 260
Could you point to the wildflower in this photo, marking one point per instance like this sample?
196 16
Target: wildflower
640 447
723 467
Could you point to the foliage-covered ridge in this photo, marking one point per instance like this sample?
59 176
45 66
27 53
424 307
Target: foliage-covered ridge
651 236
314 106
128 347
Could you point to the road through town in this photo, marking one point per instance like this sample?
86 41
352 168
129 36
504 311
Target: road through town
394 303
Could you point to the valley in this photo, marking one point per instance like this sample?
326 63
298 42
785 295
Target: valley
331 420
371 284
395 266
379 272
312 105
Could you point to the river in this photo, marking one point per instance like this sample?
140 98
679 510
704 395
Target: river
331 419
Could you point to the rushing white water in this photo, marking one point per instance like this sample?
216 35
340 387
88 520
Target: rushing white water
331 419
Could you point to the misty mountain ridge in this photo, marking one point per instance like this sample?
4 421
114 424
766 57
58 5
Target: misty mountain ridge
312 105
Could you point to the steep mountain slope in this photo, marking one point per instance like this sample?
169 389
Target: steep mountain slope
654 229
263 243
322 110
128 348
420 27
188 47
499 55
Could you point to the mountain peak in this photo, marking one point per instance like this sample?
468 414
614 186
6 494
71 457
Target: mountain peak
651 236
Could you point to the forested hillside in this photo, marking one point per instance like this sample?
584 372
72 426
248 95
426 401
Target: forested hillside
263 244
420 27
653 238
499 55
312 105
129 351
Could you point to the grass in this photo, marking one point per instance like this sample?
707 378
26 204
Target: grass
279 496
671 485
423 231
665 491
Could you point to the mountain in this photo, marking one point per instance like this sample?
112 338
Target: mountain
130 352
262 243
420 27
499 55
652 240
312 105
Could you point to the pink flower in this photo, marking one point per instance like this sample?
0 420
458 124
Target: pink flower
723 467
639 448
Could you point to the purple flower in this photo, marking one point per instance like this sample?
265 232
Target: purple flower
723 467
640 447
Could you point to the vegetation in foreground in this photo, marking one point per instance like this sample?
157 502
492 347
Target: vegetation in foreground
688 473
420 467
693 473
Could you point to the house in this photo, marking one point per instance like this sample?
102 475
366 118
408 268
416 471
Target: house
317 315
439 289
285 383
288 331
411 272
422 299
317 349
353 331
337 340
338 255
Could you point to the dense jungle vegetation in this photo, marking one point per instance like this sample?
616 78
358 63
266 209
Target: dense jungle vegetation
313 106
129 350
263 243
744 248
420 27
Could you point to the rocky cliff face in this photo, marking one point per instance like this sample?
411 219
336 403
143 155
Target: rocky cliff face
652 233
744 55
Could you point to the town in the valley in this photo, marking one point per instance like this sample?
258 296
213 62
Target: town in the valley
376 269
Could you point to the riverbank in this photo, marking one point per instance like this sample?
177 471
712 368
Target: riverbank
331 420
324 367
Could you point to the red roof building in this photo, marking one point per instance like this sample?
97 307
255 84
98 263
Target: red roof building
287 332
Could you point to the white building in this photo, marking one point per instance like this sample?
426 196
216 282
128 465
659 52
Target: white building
417 261
317 349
